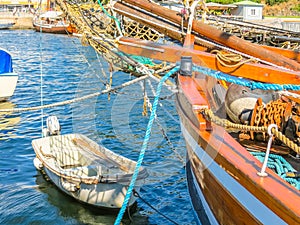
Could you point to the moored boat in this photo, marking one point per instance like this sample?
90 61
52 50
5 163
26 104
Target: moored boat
52 22
90 173
225 178
229 130
225 126
8 78
6 24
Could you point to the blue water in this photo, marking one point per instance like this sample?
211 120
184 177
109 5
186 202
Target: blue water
59 68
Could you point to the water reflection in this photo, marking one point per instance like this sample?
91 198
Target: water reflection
8 120
70 209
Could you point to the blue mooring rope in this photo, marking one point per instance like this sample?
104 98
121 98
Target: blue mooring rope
221 76
245 82
111 17
144 146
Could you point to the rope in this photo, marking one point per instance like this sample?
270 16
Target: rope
209 115
76 99
191 17
245 82
279 165
111 17
230 59
144 146
163 131
136 194
41 81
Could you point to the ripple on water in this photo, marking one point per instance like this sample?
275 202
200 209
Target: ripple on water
25 196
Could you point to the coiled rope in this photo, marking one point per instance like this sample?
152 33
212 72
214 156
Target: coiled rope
144 146
245 82
231 59
278 164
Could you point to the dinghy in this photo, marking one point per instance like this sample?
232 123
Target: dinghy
81 168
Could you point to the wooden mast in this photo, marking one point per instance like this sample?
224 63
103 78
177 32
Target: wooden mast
216 35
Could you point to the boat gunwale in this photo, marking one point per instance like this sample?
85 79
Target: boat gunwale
123 178
239 165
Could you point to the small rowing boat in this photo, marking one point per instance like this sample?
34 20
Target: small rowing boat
81 168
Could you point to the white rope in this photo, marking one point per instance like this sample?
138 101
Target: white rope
191 17
75 99
41 80
289 94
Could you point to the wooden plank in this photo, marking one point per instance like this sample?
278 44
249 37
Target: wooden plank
272 191
254 71
225 207
218 35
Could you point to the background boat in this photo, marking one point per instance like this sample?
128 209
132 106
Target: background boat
52 22
6 24
8 78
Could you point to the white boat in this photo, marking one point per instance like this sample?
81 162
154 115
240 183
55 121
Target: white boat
5 24
8 78
52 22
84 170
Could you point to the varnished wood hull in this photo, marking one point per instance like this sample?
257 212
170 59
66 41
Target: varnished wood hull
51 29
222 175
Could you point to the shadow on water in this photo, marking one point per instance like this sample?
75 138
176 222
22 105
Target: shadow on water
69 208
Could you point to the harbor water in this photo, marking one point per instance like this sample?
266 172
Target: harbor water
55 68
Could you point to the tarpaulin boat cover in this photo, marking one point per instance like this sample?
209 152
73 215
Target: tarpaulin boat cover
5 62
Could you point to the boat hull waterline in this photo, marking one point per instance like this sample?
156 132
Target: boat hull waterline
222 175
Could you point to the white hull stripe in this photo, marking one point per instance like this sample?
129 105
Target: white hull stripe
249 201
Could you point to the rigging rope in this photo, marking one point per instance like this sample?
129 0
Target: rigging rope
245 82
41 81
144 146
111 17
136 194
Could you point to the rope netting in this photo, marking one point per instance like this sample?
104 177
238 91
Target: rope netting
100 28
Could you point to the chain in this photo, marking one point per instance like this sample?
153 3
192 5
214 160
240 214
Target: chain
209 115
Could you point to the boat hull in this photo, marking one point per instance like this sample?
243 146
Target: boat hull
107 196
51 29
222 176
8 83
4 26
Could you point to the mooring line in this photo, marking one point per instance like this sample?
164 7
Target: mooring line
144 146
76 99
136 194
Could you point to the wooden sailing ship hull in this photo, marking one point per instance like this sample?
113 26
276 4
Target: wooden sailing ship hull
223 178
222 175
